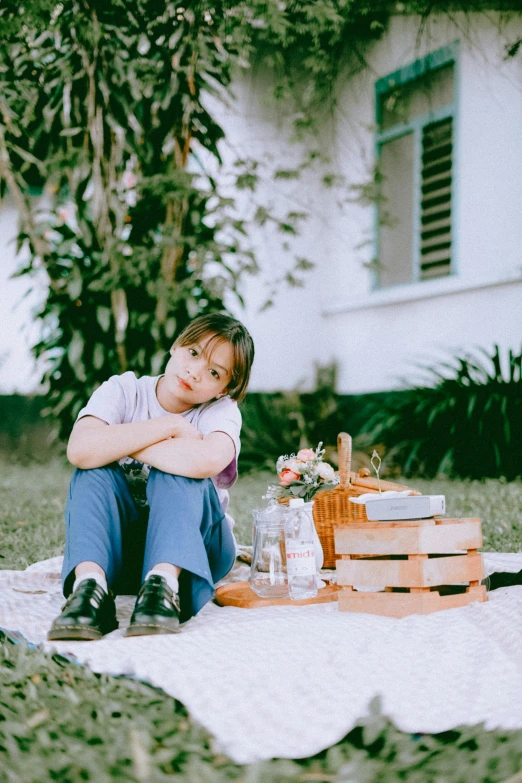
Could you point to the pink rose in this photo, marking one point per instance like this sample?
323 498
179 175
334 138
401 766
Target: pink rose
305 454
287 476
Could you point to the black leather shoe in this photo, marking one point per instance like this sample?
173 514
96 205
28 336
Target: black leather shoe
88 614
156 609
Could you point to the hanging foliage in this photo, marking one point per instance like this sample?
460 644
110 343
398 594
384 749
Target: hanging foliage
105 109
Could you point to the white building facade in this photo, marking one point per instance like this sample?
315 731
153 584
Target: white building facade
432 268
442 114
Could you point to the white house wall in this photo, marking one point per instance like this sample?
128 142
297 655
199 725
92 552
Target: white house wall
18 373
380 334
377 336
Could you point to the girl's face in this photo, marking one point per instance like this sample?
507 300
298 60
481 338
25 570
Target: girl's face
191 377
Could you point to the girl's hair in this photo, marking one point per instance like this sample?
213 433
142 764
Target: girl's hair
223 328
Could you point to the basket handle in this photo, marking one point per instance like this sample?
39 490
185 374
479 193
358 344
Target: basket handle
344 446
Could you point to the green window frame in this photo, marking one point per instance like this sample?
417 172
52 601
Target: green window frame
433 246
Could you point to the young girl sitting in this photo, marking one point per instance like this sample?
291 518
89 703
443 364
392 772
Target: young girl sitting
147 503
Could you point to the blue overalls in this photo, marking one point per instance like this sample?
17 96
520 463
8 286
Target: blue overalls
184 525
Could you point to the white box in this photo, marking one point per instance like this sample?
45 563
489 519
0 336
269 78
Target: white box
409 507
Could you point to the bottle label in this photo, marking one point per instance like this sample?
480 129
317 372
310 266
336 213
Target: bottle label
300 558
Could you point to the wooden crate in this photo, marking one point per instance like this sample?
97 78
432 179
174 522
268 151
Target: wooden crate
421 566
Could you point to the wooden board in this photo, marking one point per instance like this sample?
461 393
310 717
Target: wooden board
385 538
415 572
240 594
403 604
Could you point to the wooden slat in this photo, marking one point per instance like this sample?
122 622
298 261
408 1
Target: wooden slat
436 271
432 145
456 536
435 184
437 166
435 225
403 604
441 199
433 269
436 153
436 150
426 572
392 524
438 212
437 255
444 190
439 242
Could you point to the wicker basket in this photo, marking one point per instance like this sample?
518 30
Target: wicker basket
333 507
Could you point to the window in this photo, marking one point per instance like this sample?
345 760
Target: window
415 119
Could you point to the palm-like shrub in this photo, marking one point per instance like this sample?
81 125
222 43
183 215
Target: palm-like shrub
466 421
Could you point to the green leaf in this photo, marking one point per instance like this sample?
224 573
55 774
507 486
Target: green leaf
74 284
103 316
157 362
170 327
71 131
98 356
287 174
75 349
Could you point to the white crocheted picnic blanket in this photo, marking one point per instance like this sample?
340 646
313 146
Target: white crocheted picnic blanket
291 681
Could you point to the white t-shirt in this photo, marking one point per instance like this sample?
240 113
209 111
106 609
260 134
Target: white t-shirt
126 399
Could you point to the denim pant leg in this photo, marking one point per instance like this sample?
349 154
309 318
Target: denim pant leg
99 510
187 527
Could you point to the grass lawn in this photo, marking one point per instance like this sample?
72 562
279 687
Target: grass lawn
32 500
61 722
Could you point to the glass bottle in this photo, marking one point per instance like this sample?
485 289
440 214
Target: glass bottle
300 552
268 576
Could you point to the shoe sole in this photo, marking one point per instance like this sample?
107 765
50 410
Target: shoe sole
149 630
74 634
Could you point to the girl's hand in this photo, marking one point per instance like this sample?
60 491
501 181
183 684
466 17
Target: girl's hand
179 427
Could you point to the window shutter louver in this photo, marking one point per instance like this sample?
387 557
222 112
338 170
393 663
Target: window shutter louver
436 181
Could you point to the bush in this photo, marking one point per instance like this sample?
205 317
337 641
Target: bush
283 422
467 422
24 435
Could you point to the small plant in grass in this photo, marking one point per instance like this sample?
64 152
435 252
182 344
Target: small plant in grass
466 421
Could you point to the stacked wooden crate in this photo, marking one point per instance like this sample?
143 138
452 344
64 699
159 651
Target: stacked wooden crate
421 566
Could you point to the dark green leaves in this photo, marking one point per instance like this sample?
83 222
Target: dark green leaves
465 420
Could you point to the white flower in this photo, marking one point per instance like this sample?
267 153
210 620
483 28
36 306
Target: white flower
289 463
295 465
325 471
280 463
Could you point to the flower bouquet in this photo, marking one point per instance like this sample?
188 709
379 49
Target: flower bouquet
302 475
